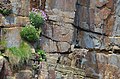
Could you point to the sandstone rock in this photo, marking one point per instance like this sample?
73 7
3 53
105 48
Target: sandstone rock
113 60
2 67
102 58
63 46
92 4
58 75
52 58
1 62
51 74
49 46
12 36
84 2
22 20
1 20
115 40
69 15
110 25
110 4
54 17
20 7
100 3
92 19
11 19
63 33
24 74
110 72
104 13
63 5
98 20
5 70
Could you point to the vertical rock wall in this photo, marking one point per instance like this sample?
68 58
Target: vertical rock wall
92 23
95 19
59 30
95 24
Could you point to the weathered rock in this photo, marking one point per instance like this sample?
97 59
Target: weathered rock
63 33
110 25
51 74
12 36
20 7
49 45
22 20
1 62
63 46
110 4
101 3
1 20
11 19
58 30
5 70
102 58
52 58
2 67
104 13
64 5
108 65
24 74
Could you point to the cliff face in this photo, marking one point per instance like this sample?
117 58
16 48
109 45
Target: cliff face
92 26
92 23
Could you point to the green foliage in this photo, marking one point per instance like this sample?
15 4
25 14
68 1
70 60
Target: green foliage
3 43
41 52
29 33
36 19
42 55
19 54
5 12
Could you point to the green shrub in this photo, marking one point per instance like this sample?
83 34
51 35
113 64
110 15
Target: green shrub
29 33
36 19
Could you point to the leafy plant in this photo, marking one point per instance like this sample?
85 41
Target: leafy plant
5 12
42 54
29 33
37 17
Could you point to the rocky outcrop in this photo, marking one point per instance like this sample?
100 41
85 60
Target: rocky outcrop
59 33
5 71
84 64
11 36
58 30
92 24
24 74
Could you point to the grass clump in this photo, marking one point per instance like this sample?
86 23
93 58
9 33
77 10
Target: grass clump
3 43
18 55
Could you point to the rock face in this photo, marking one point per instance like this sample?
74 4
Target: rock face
94 24
24 74
5 71
59 28
12 36
91 24
82 63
